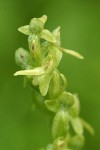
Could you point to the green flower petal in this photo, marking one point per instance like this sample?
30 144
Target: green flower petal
48 36
43 19
44 81
88 127
73 53
63 82
77 125
57 85
36 71
49 64
24 30
56 34
57 55
75 109
54 89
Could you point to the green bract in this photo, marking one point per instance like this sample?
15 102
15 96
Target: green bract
40 67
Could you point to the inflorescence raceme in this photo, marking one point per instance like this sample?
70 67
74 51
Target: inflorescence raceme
40 67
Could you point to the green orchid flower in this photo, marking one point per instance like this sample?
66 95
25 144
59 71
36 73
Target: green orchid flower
42 74
36 27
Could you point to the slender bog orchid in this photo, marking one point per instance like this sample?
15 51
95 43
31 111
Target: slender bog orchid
40 68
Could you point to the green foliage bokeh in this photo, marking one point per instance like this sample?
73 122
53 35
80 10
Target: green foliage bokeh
20 127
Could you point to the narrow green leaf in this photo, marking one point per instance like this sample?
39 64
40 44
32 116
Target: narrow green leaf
24 29
44 81
73 53
36 71
48 36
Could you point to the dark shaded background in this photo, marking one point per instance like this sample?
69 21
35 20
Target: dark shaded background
20 128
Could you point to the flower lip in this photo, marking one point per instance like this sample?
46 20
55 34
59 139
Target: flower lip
35 71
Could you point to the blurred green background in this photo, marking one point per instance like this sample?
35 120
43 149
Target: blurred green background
20 128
